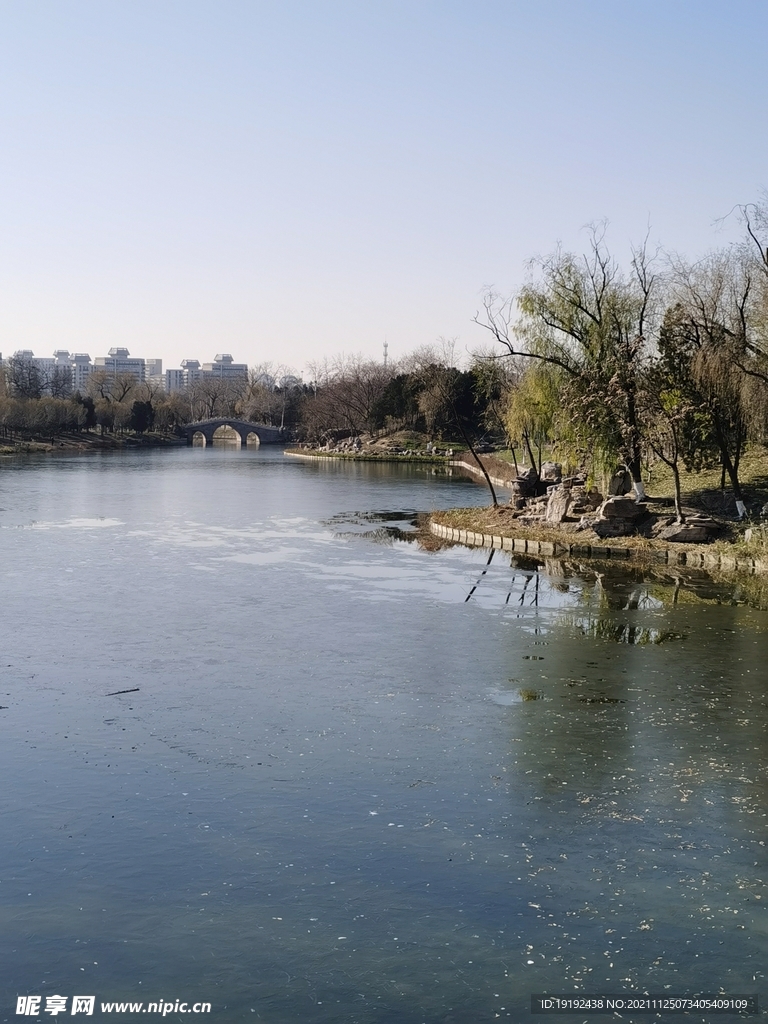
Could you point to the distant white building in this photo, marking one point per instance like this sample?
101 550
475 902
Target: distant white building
62 373
118 361
44 364
81 368
175 380
154 372
224 366
192 371
63 366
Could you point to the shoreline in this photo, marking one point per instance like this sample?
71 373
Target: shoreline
695 556
444 460
466 526
433 460
69 443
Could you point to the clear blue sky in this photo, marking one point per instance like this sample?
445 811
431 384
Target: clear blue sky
289 180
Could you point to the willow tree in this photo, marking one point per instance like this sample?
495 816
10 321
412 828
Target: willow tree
712 334
532 409
585 317
676 427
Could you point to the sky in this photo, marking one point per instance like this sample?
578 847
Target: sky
289 181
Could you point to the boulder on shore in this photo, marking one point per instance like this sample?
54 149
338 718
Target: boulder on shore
621 482
584 502
621 508
614 527
526 483
697 529
619 517
551 472
558 504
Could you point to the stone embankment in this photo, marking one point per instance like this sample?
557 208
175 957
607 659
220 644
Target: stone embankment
496 469
704 559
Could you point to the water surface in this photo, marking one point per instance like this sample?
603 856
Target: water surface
356 780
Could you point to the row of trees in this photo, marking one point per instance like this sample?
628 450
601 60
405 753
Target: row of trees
662 358
121 402
349 395
25 378
665 357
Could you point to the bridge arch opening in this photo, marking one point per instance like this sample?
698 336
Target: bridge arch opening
252 440
226 435
198 439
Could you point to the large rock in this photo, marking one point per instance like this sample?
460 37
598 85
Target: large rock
619 517
684 533
621 482
526 484
614 527
558 505
584 502
551 472
697 529
621 508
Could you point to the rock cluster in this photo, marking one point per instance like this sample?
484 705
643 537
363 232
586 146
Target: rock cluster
697 529
619 516
568 505
358 446
568 502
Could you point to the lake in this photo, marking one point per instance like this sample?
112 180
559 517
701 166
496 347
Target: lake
354 776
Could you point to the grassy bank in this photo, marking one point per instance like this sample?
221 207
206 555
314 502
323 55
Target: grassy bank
87 441
701 489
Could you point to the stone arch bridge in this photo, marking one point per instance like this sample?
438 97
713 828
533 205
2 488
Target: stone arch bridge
266 435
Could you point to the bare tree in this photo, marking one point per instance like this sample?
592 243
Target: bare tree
217 396
60 382
440 381
345 395
586 318
111 387
24 377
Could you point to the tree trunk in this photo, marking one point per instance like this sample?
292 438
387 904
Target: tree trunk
678 494
531 456
635 471
484 471
635 460
730 466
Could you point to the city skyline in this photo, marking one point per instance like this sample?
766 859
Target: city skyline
78 367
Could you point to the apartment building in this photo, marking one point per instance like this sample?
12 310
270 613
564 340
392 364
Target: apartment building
225 366
119 360
64 366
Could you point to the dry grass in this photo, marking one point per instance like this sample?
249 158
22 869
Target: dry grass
703 489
